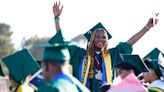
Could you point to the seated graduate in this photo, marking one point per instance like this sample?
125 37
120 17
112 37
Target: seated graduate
156 67
21 65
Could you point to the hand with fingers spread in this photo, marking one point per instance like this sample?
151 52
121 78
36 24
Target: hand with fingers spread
56 9
153 21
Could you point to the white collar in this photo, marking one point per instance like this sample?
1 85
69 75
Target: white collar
97 52
157 83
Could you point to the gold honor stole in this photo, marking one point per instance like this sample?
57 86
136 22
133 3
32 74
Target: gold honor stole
86 65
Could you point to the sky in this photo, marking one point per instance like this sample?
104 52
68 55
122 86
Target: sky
122 18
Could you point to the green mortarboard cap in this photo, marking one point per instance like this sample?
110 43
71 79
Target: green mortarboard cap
56 54
57 38
161 63
153 62
20 65
153 55
97 26
57 49
136 62
161 59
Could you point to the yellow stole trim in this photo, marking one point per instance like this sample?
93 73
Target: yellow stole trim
20 88
108 67
155 89
85 68
86 65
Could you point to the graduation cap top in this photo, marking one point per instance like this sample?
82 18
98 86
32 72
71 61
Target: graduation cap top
20 65
57 38
136 62
95 28
153 55
57 49
151 60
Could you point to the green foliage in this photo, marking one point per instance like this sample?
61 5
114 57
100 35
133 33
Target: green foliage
6 46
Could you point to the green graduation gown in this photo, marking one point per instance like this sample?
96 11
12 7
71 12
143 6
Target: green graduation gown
78 53
63 85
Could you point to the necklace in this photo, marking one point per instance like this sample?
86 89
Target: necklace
98 66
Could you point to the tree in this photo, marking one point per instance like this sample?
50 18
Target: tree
6 46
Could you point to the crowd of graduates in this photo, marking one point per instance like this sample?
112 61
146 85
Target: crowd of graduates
96 68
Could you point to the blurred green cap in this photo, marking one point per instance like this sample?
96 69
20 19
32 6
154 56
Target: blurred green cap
151 60
56 54
57 49
153 55
20 65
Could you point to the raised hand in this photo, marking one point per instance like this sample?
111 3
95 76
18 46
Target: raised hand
56 9
153 21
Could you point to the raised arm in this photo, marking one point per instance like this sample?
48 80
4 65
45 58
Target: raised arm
57 11
151 23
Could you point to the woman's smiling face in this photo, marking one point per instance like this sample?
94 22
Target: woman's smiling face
100 40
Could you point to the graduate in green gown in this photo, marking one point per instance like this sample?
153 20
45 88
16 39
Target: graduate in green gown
55 66
94 66
21 65
155 73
